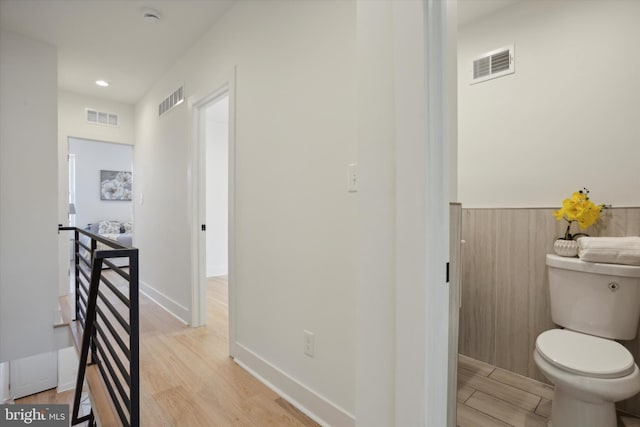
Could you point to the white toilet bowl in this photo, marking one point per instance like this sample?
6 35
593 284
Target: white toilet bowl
590 374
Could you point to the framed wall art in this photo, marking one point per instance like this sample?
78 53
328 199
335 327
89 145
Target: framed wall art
115 185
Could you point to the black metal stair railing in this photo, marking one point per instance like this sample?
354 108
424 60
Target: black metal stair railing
106 307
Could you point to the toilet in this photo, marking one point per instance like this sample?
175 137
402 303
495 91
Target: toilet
594 304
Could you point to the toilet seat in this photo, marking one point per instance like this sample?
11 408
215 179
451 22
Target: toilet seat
585 355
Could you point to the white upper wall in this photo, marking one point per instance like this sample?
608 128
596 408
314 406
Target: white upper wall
72 120
567 118
295 221
376 290
28 196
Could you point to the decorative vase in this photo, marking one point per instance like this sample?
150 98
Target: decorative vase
568 248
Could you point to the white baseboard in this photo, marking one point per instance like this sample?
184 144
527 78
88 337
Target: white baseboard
177 310
66 387
317 407
218 270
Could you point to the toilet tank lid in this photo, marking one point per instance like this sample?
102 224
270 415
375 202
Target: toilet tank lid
577 264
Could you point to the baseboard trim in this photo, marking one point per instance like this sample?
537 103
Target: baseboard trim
65 387
175 309
218 270
312 404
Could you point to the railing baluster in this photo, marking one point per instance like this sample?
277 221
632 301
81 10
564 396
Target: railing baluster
97 312
76 264
86 336
134 339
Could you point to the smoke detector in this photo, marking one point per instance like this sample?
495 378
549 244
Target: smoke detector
150 15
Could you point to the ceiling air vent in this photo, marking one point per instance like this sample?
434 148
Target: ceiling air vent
171 101
496 63
100 117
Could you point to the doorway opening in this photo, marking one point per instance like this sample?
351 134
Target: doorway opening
216 135
216 172
213 212
100 190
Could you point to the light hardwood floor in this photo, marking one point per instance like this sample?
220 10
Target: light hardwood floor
187 378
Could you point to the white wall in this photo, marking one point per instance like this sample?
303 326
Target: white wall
376 292
567 118
91 158
217 172
72 123
28 196
72 120
296 223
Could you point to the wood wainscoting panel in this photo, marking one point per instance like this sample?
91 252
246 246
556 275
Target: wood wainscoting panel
633 222
477 314
512 307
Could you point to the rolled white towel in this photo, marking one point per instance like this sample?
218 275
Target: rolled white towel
610 250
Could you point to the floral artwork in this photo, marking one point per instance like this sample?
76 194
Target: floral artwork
115 185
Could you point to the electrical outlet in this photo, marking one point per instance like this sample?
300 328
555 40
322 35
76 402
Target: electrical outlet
309 343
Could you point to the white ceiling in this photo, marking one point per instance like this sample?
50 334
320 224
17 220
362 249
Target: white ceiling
109 39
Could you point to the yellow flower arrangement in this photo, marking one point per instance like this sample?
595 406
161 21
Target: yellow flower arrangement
581 209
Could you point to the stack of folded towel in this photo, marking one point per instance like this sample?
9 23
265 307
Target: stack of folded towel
610 250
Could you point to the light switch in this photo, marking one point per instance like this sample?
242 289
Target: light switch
352 177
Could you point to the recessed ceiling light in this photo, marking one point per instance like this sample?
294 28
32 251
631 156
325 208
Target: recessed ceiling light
102 83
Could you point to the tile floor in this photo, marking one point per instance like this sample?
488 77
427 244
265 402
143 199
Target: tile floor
492 397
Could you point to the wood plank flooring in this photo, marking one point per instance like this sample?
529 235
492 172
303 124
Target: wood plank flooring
187 378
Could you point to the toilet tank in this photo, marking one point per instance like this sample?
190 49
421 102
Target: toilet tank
594 298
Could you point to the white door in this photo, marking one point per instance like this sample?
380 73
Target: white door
33 374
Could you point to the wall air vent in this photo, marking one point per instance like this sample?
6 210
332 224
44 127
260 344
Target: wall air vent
100 117
496 63
171 101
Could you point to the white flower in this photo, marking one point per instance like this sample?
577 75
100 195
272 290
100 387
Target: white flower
109 188
124 177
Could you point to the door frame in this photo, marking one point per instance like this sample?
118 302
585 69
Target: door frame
197 176
441 306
